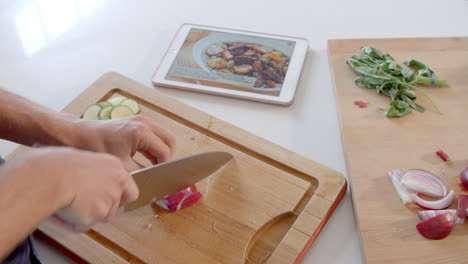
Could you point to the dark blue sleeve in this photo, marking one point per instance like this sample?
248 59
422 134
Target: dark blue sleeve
24 253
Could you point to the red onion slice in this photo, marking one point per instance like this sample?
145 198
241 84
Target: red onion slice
395 177
437 227
434 205
182 199
425 182
464 179
462 208
424 215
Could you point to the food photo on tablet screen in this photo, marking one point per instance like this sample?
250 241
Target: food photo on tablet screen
236 63
233 61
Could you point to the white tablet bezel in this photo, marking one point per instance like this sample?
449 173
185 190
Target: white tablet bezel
290 81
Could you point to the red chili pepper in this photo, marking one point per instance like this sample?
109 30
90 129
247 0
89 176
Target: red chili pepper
361 104
443 155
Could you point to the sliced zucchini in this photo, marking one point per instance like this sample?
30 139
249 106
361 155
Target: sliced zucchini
120 111
92 112
103 104
115 101
105 112
132 104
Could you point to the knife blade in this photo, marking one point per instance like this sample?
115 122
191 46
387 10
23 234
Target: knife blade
167 178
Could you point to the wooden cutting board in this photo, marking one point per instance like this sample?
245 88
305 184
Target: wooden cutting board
266 206
375 144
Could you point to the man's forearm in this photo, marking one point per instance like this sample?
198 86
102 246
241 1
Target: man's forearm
26 200
25 122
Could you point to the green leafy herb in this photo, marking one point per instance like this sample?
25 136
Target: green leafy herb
423 70
381 72
398 108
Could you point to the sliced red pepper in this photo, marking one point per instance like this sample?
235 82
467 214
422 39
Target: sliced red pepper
257 65
443 155
361 104
261 50
270 84
227 55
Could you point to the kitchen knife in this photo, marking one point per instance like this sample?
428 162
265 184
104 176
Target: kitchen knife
167 178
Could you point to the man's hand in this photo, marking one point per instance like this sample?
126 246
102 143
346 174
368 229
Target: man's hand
97 188
81 187
124 137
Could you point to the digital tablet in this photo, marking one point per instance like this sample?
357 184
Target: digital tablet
233 63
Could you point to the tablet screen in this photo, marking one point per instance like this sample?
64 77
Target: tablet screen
232 61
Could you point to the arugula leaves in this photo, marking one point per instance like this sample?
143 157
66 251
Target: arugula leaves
423 70
381 72
398 108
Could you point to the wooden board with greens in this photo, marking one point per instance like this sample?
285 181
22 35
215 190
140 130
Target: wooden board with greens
381 72
375 145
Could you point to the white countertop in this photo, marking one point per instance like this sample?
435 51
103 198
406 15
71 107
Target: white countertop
51 50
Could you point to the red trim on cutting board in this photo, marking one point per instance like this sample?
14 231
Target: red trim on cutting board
59 247
321 225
